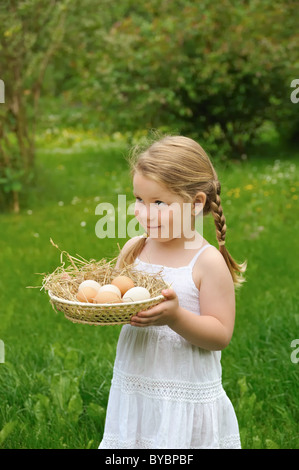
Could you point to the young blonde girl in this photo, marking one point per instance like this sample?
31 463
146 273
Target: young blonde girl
166 390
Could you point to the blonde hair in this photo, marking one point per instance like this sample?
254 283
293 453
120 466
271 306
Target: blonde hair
185 169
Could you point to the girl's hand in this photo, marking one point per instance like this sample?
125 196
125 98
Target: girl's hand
164 313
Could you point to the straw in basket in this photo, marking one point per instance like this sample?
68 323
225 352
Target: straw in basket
62 287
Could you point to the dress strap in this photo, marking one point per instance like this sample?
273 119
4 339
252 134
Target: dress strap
192 262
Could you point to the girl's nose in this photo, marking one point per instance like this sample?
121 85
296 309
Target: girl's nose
152 212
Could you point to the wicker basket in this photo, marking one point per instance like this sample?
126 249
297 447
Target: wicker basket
101 314
62 287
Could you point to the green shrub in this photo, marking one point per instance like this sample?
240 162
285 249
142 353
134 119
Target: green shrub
214 70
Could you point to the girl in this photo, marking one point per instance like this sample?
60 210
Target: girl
166 389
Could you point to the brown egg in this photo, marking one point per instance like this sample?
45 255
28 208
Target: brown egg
106 297
86 294
124 283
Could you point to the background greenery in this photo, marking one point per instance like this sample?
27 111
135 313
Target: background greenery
84 81
218 71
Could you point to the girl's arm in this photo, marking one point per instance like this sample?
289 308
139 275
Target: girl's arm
213 328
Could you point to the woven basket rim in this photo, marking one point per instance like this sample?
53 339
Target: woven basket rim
94 305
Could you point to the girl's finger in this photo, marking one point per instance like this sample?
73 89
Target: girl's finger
169 293
149 313
140 321
146 317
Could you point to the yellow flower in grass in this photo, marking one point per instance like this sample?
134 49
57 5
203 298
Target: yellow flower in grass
295 197
234 192
249 187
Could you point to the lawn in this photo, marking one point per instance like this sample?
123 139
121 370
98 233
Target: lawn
55 379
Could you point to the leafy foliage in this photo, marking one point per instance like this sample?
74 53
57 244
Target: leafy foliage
30 32
217 71
214 70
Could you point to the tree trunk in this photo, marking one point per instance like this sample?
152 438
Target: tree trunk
16 203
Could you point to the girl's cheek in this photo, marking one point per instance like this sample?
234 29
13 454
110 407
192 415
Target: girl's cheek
175 221
138 210
171 215
166 221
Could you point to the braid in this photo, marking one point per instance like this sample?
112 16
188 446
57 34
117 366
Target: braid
217 213
236 269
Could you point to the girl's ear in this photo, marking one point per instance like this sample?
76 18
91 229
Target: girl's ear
199 202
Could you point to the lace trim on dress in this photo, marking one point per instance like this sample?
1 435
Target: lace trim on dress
112 441
194 392
230 442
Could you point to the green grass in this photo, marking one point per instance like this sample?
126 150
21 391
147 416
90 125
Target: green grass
55 380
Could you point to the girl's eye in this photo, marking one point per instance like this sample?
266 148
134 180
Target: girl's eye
138 199
158 203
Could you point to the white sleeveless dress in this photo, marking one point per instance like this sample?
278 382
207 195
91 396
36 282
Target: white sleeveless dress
165 392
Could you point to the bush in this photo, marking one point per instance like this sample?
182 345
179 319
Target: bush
214 70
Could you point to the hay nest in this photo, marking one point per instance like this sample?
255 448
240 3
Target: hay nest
62 287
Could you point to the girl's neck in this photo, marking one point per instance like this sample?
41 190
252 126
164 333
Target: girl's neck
175 244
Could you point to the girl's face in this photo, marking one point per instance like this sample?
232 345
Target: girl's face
159 211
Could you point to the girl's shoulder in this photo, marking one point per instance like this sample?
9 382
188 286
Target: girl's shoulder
209 264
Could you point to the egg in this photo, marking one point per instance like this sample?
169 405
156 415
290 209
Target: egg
110 288
86 294
89 283
106 297
135 294
124 283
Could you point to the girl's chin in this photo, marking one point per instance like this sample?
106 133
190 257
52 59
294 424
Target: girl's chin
160 234
194 239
